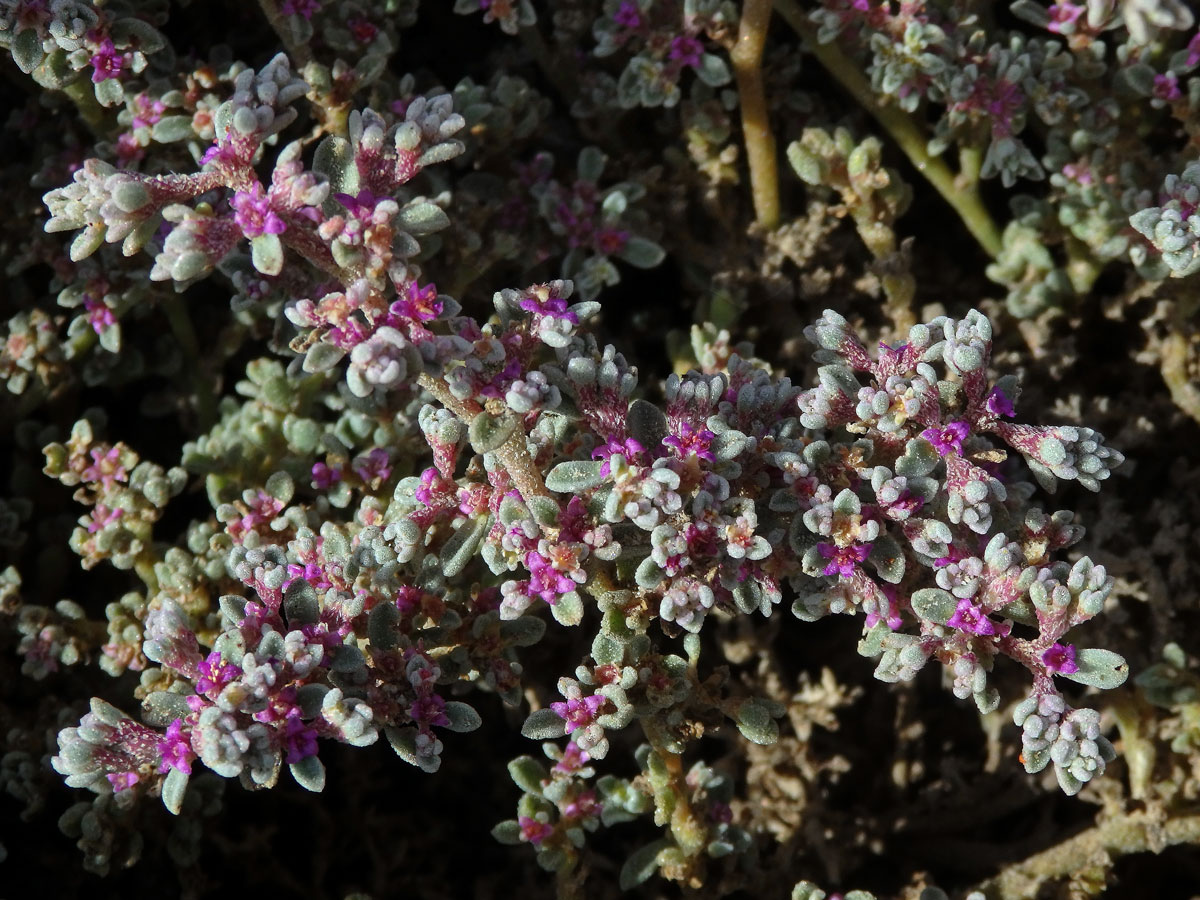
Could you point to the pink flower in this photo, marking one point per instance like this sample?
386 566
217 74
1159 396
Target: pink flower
99 316
1193 49
949 438
843 560
1166 87
573 759
534 831
303 8
105 468
324 477
122 781
1064 14
373 465
628 15
175 749
107 62
299 740
579 713
1060 658
215 673
691 442
998 404
968 617
686 51
254 215
102 517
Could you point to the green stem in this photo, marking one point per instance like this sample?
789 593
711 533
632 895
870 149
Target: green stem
747 59
83 95
964 198
181 327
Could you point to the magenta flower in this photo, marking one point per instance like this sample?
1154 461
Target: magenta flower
628 15
1193 49
122 781
299 740
324 477
629 448
106 467
373 465
551 307
1063 14
579 713
102 517
1166 87
360 205
998 404
686 51
99 316
546 581
573 759
534 831
1060 658
843 560
949 438
215 673
254 215
691 442
418 304
968 617
303 8
429 711
107 62
175 749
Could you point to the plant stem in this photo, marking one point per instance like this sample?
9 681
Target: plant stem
513 453
961 192
747 59
83 95
1138 832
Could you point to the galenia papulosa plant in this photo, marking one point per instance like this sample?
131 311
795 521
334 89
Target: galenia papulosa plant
406 493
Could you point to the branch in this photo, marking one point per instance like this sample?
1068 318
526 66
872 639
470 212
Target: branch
961 192
1138 832
747 58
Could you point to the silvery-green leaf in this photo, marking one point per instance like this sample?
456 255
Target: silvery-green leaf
647 423
309 774
266 252
641 253
1099 668
507 832
934 605
173 127
574 476
568 609
462 717
754 721
487 432
591 164
26 50
528 774
641 865
300 603
543 725
422 217
173 790
462 546
712 70
321 357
